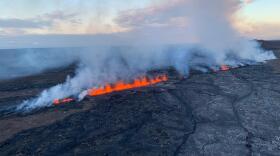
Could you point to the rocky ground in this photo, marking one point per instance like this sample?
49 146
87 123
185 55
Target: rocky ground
234 112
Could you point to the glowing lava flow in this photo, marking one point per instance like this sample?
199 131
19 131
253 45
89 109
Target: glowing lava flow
118 86
225 68
66 100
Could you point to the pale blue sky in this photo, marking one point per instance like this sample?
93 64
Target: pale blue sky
263 11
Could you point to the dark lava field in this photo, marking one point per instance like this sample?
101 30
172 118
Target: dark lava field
226 113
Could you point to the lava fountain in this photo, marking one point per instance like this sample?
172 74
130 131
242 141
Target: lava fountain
121 85
118 86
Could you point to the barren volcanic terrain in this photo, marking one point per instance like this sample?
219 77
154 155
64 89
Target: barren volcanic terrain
235 112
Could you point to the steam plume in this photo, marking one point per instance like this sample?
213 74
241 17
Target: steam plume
207 23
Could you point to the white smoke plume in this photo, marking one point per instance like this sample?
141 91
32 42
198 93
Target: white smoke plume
158 39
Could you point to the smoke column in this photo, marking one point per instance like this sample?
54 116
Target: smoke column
208 22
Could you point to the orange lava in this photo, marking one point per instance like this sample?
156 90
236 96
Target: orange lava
120 85
225 68
66 100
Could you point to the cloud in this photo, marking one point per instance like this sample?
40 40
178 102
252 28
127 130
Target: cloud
179 14
24 23
12 31
44 21
155 16
60 16
174 13
181 20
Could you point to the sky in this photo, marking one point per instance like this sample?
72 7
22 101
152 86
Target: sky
63 18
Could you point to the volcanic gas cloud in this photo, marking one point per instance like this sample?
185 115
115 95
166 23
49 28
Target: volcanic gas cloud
157 38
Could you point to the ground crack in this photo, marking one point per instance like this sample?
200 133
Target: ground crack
186 136
235 111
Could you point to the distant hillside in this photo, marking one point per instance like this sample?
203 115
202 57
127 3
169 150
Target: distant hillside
271 45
